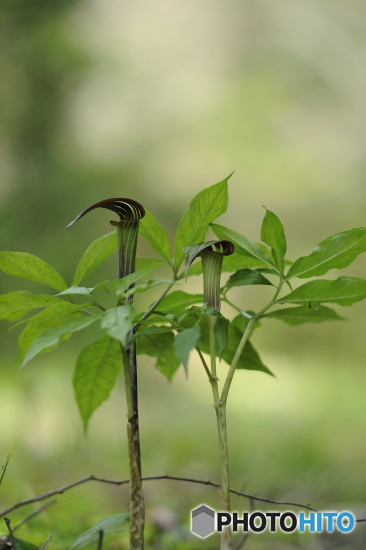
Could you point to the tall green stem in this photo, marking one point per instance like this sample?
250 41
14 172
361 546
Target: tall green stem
137 503
127 233
220 408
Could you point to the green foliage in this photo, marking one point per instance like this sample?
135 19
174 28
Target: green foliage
109 524
249 359
344 291
15 305
83 290
53 316
117 322
203 209
94 255
151 229
221 334
150 283
122 285
30 267
52 336
273 234
245 277
184 342
161 346
148 263
19 544
295 316
244 245
337 251
178 301
97 368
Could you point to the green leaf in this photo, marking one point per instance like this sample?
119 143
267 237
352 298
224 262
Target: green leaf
109 524
221 335
249 359
335 252
15 305
344 291
147 332
179 301
94 255
19 544
294 316
245 277
184 342
151 229
123 284
83 290
160 346
52 336
53 316
245 245
150 283
148 263
30 267
273 234
117 322
97 369
203 209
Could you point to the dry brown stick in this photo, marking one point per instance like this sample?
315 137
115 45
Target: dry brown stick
61 490
35 513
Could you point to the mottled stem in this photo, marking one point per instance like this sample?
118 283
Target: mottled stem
137 503
220 408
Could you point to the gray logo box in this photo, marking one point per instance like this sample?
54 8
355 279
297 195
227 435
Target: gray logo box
203 521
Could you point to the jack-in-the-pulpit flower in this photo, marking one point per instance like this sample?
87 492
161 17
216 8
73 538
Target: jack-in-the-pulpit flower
130 213
212 254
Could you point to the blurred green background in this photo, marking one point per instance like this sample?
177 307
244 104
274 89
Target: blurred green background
156 101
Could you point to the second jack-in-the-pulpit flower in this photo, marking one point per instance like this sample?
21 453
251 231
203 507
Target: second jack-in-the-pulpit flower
211 254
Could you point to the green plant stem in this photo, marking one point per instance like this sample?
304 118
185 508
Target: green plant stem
210 377
151 309
137 503
243 341
241 311
220 409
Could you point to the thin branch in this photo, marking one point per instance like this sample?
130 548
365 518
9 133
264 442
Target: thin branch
46 541
100 541
210 377
7 521
244 539
35 513
154 305
61 490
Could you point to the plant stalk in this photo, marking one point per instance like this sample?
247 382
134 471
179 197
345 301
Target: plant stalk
127 233
137 503
220 408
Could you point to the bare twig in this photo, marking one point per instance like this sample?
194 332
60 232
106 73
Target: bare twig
35 513
7 521
46 541
100 542
61 490
244 539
